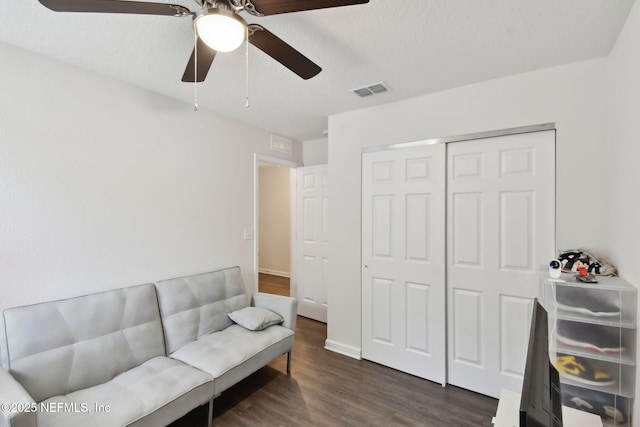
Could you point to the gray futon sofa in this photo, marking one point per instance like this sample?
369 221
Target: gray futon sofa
139 356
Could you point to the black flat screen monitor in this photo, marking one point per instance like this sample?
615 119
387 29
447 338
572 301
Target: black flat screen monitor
540 404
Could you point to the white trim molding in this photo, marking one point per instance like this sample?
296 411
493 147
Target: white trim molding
465 137
345 350
274 272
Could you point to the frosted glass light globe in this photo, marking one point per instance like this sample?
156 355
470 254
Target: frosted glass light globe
221 29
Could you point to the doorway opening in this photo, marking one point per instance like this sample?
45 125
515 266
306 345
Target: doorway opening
274 220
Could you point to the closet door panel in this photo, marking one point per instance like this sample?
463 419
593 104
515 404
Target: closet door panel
500 228
403 289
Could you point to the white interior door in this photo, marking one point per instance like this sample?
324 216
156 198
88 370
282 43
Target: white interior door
403 249
500 229
312 245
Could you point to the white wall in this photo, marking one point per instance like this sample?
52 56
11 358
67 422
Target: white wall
624 150
315 152
573 96
624 155
275 221
105 185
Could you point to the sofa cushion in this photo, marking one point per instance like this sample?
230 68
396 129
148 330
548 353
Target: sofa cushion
197 305
232 354
132 398
255 318
58 347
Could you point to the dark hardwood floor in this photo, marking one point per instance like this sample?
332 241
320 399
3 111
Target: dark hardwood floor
328 389
271 284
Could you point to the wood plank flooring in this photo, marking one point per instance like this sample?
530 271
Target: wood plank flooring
328 389
271 284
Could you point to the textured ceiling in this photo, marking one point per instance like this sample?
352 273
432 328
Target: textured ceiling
415 46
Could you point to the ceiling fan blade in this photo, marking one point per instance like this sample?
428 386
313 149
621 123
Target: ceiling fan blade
279 50
205 59
115 6
274 7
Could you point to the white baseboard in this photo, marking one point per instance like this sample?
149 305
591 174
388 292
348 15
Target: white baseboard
343 349
274 272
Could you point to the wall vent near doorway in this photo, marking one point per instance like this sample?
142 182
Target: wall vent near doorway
281 144
372 89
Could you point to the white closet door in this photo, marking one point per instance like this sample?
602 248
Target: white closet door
403 248
312 245
500 229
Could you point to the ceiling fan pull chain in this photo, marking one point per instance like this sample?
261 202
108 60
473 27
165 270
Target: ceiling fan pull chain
195 72
246 102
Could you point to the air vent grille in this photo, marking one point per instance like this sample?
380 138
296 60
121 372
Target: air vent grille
364 92
372 89
281 144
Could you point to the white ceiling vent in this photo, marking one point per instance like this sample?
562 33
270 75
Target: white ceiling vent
281 144
373 89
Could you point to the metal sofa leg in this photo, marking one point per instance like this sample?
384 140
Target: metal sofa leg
288 362
210 420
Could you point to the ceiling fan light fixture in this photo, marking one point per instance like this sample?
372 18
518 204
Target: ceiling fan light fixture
221 29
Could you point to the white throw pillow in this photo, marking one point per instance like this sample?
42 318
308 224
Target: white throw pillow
255 318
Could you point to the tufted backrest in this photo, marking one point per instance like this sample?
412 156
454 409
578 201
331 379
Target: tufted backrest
58 347
197 305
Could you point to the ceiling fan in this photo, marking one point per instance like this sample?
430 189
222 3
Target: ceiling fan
219 27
